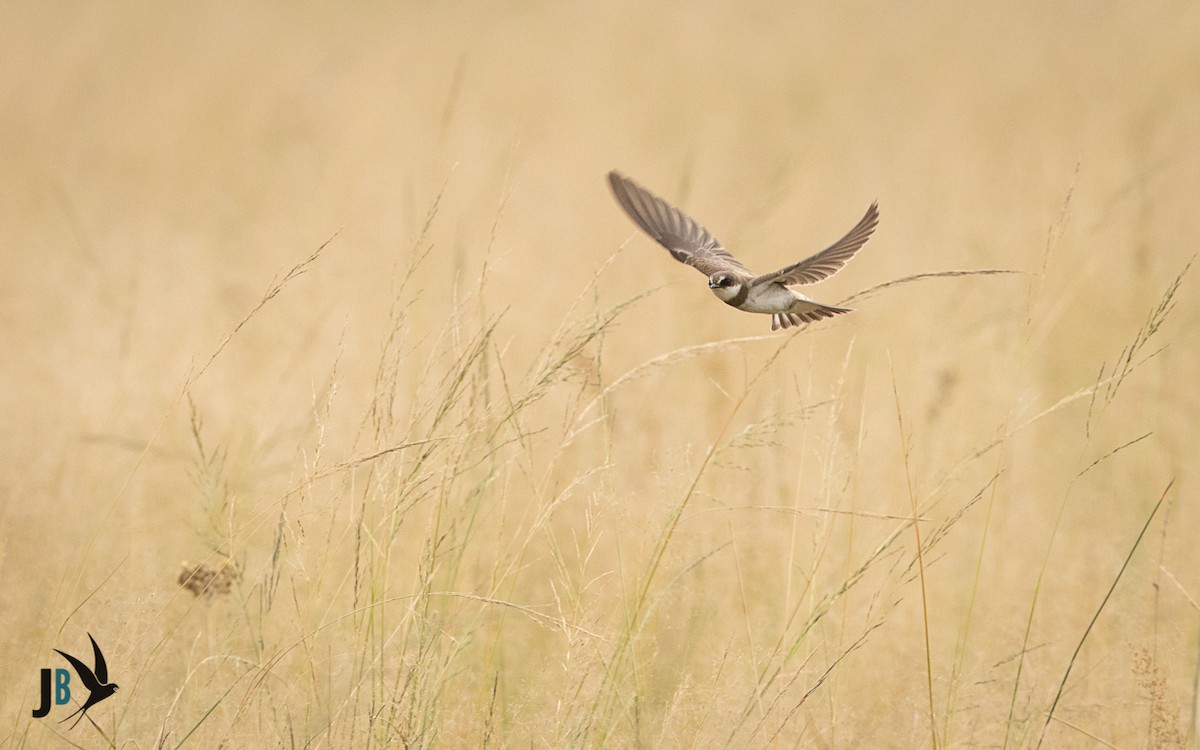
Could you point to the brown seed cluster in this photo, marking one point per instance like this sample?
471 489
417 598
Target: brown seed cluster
1165 724
202 579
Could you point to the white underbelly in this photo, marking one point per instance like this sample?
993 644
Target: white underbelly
771 298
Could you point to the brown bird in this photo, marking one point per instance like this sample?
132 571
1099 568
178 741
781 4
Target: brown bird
732 282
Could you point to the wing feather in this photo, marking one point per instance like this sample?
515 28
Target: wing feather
687 241
830 260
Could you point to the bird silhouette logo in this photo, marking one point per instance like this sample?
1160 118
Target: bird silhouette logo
96 681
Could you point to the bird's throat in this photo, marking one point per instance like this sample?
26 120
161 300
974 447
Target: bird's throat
736 300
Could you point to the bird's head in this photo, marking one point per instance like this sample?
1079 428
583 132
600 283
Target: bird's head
724 285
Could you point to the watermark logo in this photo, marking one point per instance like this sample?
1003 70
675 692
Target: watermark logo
56 684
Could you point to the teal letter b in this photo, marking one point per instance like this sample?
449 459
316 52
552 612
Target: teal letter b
62 689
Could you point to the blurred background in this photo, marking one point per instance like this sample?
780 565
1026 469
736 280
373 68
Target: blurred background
646 521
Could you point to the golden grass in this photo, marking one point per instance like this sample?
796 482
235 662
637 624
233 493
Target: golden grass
334 305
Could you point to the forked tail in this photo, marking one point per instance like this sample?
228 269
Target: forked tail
789 319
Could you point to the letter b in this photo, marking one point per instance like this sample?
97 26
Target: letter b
62 687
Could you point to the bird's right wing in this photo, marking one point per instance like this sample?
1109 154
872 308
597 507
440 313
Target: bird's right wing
85 674
679 233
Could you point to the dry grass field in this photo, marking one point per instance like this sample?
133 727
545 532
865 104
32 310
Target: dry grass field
344 407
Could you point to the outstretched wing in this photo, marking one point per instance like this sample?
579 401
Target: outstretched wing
101 665
830 260
679 233
81 669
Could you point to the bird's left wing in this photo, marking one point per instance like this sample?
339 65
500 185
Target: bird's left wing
830 260
101 665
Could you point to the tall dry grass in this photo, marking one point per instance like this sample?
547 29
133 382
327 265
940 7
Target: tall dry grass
345 408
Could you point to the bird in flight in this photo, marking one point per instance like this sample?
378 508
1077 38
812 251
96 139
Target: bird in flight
96 682
732 282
